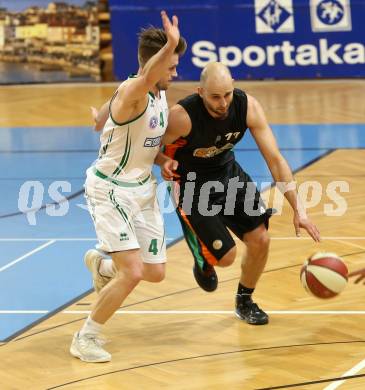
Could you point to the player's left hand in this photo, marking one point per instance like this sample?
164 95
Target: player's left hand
168 168
360 275
306 223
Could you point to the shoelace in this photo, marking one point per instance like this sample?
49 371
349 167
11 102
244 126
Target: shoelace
94 339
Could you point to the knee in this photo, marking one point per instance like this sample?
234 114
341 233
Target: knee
259 241
131 276
157 276
228 258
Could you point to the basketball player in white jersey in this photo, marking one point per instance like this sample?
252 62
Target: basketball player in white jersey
120 189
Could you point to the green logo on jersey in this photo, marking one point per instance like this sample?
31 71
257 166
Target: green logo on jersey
124 237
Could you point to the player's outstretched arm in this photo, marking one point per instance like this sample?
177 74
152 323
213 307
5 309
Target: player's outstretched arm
360 274
279 168
158 64
131 97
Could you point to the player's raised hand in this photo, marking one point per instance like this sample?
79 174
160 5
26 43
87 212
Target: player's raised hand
306 223
171 29
360 275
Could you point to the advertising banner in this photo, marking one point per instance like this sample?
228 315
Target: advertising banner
257 39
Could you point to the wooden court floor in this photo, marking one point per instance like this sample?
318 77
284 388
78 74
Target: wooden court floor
192 348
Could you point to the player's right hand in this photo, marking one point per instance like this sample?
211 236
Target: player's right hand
305 223
168 168
94 114
360 275
171 29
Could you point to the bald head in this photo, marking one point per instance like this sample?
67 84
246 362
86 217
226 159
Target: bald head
215 73
216 89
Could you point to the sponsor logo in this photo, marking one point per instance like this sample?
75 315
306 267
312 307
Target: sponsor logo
330 15
286 53
211 151
274 16
152 142
123 237
153 122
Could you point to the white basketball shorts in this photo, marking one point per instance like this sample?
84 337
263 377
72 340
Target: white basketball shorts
126 217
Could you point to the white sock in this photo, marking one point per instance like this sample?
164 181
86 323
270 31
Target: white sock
90 327
106 268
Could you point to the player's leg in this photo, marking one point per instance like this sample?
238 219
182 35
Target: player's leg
111 210
149 229
257 242
86 343
129 271
250 223
100 266
103 270
210 244
253 263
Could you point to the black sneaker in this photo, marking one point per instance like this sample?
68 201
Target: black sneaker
207 278
250 312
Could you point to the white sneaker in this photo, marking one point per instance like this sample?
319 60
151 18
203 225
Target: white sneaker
92 260
88 349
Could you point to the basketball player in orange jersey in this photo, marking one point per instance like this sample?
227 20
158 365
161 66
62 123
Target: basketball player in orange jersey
203 128
120 189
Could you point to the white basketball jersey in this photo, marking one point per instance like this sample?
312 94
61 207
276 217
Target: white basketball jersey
128 149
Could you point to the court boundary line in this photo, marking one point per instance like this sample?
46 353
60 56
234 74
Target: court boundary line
45 317
316 382
348 374
26 255
154 312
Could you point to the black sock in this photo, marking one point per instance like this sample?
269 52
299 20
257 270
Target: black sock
244 292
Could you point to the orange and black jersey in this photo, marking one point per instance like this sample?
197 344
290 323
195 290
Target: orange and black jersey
208 146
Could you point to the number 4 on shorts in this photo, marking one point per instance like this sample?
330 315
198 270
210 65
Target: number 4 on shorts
153 247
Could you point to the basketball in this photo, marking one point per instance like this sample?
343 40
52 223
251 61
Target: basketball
324 275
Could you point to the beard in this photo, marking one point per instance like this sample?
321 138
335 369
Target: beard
217 113
162 86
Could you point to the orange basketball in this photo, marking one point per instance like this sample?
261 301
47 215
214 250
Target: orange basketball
324 275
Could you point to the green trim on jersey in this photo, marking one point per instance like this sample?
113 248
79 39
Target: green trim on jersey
124 160
126 122
119 182
105 147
